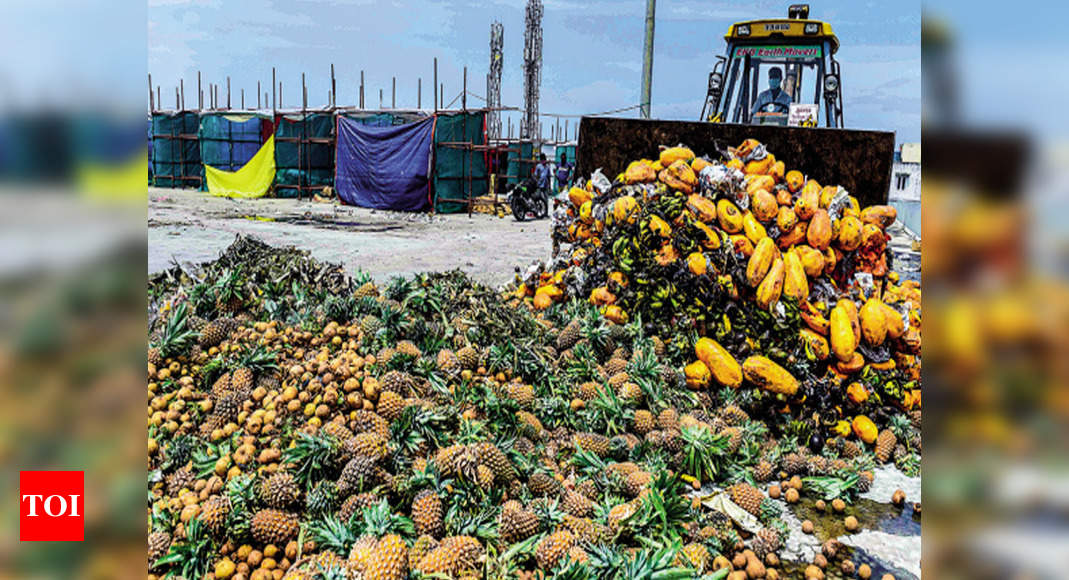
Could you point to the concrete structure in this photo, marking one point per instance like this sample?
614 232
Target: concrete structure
906 173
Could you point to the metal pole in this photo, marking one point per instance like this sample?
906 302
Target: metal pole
280 105
441 95
435 85
228 92
257 95
647 59
177 102
464 95
304 94
333 88
361 90
380 98
243 98
182 88
200 93
419 93
158 101
274 102
151 97
393 95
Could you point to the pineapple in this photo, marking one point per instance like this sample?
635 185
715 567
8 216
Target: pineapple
216 331
468 357
615 365
586 391
576 504
322 499
672 440
885 445
794 464
355 504
763 471
817 465
357 474
636 481
364 420
408 348
593 442
733 415
158 544
368 288
280 491
271 526
864 481
179 480
370 325
569 336
491 456
554 546
522 394
242 380
214 512
448 362
390 405
630 393
747 497
427 514
643 421
850 449
734 437
671 377
766 541
420 548
360 553
440 560
668 419
618 379
389 560
484 476
154 357
542 483
694 555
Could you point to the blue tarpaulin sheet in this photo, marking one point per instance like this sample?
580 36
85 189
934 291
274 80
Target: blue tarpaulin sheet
384 167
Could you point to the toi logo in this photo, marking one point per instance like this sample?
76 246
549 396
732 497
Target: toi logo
51 506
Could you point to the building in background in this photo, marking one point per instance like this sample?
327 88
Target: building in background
905 192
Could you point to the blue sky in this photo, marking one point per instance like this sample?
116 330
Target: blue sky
592 51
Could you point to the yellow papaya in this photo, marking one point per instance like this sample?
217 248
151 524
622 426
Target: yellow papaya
742 245
857 393
880 216
808 201
812 260
729 216
759 166
578 196
786 219
670 155
724 368
827 194
758 182
601 296
815 319
697 375
769 376
784 197
864 428
794 179
794 236
660 227
699 163
712 237
771 287
618 278
841 334
830 260
849 233
893 319
764 205
679 176
760 261
873 322
777 170
639 172
851 314
697 264
817 344
625 209
615 314
703 208
753 228
852 366
795 283
818 234
586 212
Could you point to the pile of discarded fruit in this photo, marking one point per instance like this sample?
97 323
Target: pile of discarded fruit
310 426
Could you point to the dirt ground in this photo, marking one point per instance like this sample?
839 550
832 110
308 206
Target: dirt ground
192 226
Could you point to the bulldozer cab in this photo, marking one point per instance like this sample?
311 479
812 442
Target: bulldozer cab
777 72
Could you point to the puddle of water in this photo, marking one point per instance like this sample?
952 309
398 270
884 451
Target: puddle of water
870 515
856 555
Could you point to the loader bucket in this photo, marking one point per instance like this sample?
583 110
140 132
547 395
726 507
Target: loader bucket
860 161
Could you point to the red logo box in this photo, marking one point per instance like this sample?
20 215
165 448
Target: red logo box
51 506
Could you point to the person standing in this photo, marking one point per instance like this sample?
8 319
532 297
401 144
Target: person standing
564 172
541 173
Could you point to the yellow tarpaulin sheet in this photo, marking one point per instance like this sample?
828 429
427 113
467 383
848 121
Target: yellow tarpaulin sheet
252 180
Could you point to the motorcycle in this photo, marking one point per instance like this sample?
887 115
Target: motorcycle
525 198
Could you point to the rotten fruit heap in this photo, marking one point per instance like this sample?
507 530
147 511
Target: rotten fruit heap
707 328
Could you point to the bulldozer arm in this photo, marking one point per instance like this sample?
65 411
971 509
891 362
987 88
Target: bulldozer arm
860 161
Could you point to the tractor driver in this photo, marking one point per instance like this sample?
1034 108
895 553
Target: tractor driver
773 100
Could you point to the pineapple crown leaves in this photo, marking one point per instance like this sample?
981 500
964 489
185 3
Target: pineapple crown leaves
831 487
338 308
229 286
329 533
206 456
663 511
418 425
606 413
480 523
191 558
549 514
587 463
703 452
315 457
177 336
378 521
257 359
